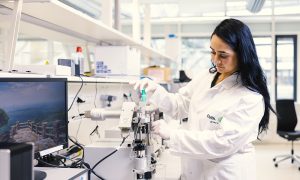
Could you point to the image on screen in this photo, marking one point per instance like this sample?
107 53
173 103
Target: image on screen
34 110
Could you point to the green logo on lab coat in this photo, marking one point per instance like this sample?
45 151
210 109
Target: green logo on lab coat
220 119
214 120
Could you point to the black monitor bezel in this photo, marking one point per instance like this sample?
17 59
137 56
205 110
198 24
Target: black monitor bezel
40 79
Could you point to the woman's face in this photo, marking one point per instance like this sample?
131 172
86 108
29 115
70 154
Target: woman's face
223 56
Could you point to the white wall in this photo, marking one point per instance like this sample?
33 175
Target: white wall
80 128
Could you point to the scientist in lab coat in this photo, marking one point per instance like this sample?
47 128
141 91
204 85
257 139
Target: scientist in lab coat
227 108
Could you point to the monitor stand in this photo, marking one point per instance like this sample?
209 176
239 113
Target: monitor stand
39 175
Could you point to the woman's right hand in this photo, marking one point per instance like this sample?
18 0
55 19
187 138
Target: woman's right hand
149 85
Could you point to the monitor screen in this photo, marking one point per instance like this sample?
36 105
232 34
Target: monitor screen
34 110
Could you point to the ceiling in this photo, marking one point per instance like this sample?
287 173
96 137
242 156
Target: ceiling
191 10
163 9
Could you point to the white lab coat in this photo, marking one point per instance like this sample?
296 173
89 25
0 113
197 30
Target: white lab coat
215 142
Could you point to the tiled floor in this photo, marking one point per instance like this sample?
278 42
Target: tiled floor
265 165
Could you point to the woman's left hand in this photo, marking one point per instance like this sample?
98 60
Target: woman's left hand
161 128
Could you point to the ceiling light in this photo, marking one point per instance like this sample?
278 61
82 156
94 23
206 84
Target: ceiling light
255 6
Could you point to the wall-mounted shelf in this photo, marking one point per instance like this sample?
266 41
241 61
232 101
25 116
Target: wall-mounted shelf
72 79
75 79
72 22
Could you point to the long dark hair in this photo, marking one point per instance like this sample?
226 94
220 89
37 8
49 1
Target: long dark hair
238 36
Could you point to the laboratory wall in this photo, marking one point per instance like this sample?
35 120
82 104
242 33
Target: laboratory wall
95 95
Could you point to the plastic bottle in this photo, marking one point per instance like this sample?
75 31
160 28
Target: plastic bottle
79 59
143 96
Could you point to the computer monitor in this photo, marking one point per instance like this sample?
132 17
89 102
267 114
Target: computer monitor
34 110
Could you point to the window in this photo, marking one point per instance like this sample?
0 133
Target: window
37 51
159 44
264 53
286 66
195 54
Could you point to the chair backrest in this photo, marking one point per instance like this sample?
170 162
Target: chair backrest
286 115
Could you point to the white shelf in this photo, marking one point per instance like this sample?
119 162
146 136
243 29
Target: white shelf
71 79
76 23
101 80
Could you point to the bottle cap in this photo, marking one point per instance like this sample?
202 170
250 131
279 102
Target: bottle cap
78 49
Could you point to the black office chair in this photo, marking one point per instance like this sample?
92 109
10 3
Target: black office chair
286 123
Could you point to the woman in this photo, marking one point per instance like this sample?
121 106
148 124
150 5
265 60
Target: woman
227 108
